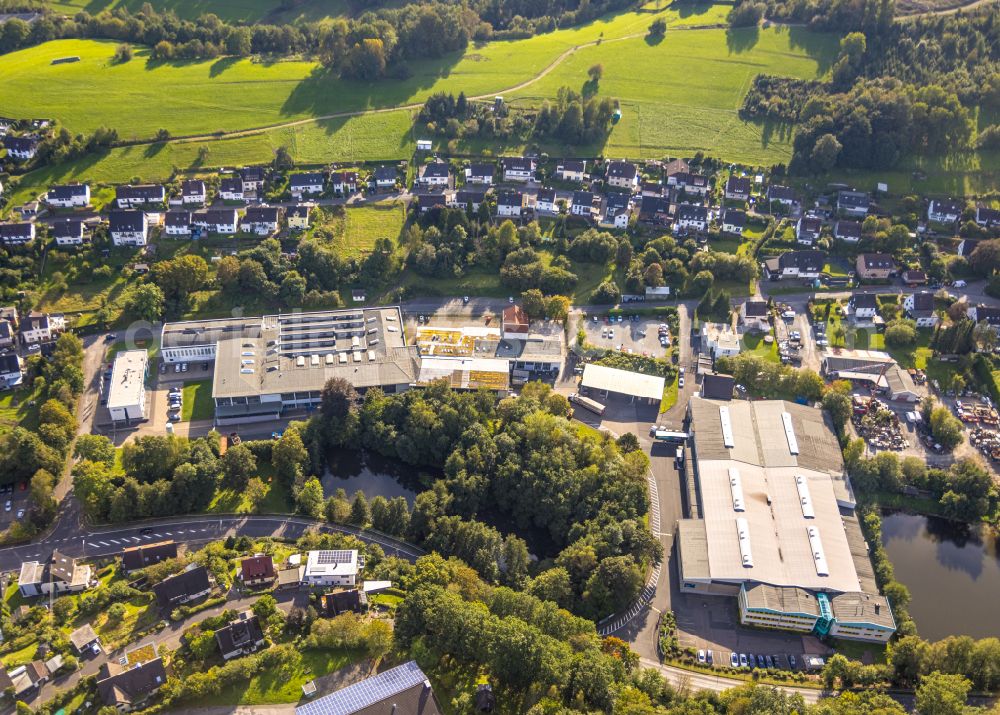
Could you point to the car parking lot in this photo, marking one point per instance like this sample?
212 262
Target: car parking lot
637 334
14 502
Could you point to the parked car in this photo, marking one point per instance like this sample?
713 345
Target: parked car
701 656
175 417
734 660
20 514
791 661
6 507
177 367
768 661
184 367
743 660
680 382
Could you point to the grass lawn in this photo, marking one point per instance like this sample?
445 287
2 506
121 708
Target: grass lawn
16 409
354 234
857 650
277 500
753 344
20 657
670 393
197 401
726 245
284 685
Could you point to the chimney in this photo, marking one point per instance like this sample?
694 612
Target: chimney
878 608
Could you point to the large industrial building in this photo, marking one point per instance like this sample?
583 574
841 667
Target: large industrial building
772 521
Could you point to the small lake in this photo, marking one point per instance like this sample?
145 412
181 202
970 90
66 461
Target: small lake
373 474
952 571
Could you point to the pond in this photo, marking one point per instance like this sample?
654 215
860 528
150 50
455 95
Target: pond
373 474
952 571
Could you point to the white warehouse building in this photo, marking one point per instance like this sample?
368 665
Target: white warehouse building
127 391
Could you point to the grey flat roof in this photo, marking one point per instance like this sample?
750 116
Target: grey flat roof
193 333
128 379
851 608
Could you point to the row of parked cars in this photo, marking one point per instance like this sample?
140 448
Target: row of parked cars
175 399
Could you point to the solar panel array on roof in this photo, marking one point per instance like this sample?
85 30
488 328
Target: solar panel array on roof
366 693
334 557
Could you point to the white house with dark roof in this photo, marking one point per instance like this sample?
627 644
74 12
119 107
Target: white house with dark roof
853 203
433 200
41 327
738 188
807 230
755 316
545 201
17 234
780 194
298 216
572 170
128 196
262 220
847 230
510 203
385 177
20 148
436 174
655 210
862 307
11 373
480 174
231 189
733 221
307 184
333 567
344 182
68 196
68 232
60 574
945 211
987 217
193 191
795 264
177 223
469 199
689 183
222 221
692 218
919 307
616 212
622 175
518 168
252 178
128 228
875 266
583 204
985 313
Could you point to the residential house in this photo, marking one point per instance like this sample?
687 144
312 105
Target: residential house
719 340
863 308
987 217
846 230
733 221
966 246
481 174
68 232
84 638
193 191
572 170
676 166
622 175
919 307
545 201
26 678
130 196
652 188
617 211
257 570
853 203
352 600
298 217
309 184
755 316
28 210
738 188
17 234
807 230
128 228
11 374
60 574
945 211
583 204
333 568
68 196
262 220
385 177
53 664
8 329
221 221
403 690
41 327
231 189
510 203
691 218
914 278
875 266
517 168
186 586
241 636
139 557
20 148
344 182
469 199
290 577
655 210
690 184
987 314
177 223
795 264
780 194
426 202
253 178
436 174
129 687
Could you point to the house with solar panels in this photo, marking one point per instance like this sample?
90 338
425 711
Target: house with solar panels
399 690
333 568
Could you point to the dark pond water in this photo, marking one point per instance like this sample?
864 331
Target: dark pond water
374 475
952 571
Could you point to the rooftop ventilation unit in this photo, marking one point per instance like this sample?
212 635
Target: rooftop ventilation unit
727 427
329 358
736 486
816 545
804 498
300 361
314 360
793 444
743 532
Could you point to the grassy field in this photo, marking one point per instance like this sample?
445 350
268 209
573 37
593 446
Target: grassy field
753 344
353 233
277 500
16 409
197 401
